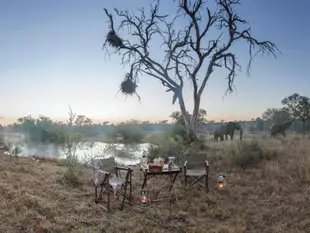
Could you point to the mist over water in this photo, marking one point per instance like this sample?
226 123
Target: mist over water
124 154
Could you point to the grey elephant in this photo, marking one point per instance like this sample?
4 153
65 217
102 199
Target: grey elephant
280 128
218 133
228 129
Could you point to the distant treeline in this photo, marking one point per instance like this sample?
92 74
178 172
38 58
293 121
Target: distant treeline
44 129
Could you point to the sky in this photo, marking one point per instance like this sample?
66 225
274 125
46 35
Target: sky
51 57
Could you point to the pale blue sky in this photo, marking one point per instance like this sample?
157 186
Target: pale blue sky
51 57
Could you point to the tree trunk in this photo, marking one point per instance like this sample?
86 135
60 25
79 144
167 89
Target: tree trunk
193 122
190 123
183 111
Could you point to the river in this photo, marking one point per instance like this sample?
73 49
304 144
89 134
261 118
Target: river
123 153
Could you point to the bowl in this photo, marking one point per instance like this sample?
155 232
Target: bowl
155 167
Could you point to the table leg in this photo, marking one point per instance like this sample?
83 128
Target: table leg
144 181
172 180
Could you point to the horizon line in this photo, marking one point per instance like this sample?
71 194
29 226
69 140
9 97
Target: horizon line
7 120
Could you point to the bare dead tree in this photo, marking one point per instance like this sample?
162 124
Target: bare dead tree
190 53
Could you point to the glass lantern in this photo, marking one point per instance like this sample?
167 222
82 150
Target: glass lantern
220 182
144 200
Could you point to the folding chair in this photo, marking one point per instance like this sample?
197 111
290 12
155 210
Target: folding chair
196 171
107 177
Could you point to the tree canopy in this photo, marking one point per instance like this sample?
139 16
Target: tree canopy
178 118
276 115
299 107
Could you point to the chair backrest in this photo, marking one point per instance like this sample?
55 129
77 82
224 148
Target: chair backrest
196 161
106 165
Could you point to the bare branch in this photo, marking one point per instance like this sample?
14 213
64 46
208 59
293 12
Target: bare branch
228 19
189 50
196 46
143 28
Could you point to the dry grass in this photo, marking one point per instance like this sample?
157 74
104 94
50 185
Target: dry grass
267 191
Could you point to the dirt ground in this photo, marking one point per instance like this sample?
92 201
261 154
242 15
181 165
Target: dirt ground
270 194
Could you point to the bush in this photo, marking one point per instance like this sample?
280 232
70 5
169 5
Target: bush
250 153
130 133
174 143
166 146
72 177
41 130
198 145
178 131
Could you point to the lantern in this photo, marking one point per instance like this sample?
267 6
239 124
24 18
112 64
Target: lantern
144 200
220 182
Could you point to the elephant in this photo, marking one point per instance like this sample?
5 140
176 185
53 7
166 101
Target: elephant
279 128
228 129
219 133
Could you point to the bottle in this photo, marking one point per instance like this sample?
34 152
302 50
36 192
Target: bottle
170 165
143 162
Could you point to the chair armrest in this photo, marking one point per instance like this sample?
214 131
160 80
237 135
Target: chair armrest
103 172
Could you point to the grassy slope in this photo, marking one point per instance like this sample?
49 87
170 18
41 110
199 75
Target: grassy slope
40 196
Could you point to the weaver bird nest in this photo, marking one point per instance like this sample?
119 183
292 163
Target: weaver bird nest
114 40
129 85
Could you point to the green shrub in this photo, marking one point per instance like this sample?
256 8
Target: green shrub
198 145
174 143
166 146
178 131
250 153
72 177
130 133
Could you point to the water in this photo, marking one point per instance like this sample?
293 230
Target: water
124 154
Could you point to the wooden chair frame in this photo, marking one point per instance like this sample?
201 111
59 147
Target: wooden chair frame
106 188
202 180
